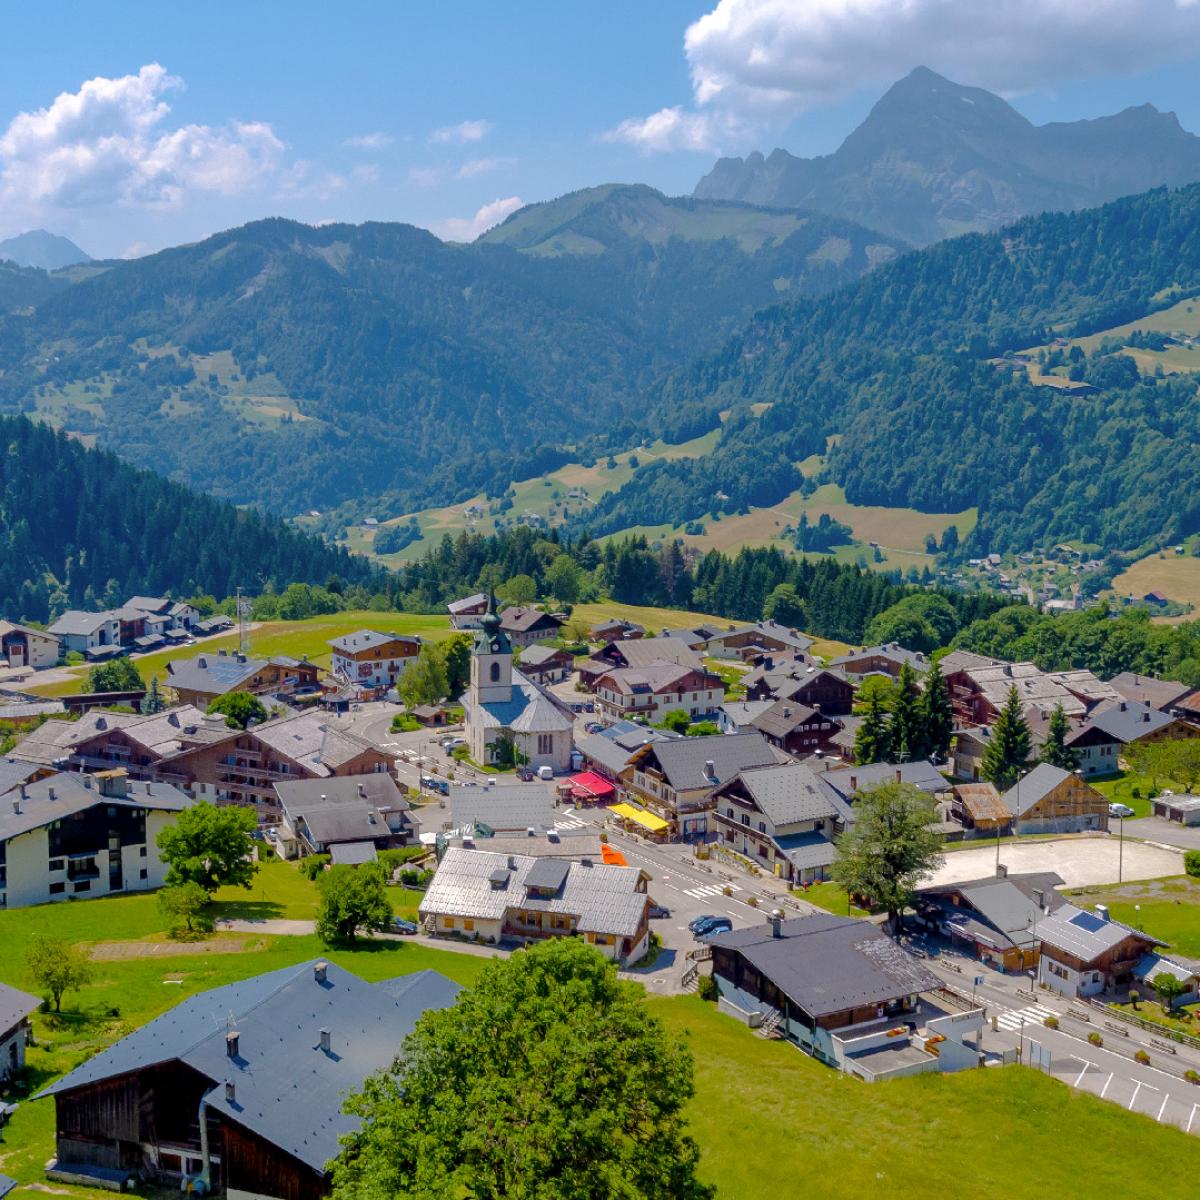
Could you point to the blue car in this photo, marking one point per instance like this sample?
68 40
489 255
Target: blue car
699 921
720 925
401 926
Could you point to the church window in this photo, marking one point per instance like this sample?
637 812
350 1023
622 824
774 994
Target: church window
495 672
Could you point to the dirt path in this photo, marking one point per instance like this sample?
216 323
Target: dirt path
117 951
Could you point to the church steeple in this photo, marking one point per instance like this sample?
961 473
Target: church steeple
491 660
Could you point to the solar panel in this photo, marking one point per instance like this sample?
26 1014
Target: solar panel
1088 921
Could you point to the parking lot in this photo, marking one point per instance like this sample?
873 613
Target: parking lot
1079 861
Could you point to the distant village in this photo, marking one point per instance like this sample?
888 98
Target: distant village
540 798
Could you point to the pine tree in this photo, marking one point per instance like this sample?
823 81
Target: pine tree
1009 744
152 702
906 731
1055 750
937 716
872 741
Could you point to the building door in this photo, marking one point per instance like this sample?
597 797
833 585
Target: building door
115 879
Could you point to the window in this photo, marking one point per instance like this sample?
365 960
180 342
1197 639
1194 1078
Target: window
447 922
83 885
468 925
495 672
545 743
57 889
762 827
143 874
745 818
57 864
142 852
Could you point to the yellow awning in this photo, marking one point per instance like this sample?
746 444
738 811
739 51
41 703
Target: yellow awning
649 820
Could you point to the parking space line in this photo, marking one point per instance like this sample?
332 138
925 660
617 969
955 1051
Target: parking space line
1079 1078
1191 1118
1162 1108
1106 1083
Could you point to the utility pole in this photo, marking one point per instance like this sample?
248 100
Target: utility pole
243 611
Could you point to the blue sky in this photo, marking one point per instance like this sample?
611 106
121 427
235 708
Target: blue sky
133 126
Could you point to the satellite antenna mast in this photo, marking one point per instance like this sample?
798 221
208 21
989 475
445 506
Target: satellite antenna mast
243 612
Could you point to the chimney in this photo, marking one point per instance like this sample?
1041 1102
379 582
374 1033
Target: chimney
231 1044
325 1040
1124 706
1102 911
320 970
1146 718
854 783
710 770
512 862
230 1092
776 919
202 662
899 775
17 805
51 793
362 791
87 782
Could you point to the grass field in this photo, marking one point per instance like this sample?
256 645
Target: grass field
1121 788
1177 576
1168 909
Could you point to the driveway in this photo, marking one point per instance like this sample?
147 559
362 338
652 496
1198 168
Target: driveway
1079 861
1171 833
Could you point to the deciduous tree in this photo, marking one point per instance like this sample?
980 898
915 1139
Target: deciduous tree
183 905
424 681
353 900
239 709
116 675
57 967
209 846
550 1077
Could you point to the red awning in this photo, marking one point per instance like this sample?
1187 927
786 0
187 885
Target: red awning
593 784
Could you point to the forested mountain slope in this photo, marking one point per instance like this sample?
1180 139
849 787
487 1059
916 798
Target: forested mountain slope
897 365
299 367
79 527
934 159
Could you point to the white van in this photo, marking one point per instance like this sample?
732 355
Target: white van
545 772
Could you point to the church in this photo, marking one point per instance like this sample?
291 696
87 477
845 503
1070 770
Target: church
502 705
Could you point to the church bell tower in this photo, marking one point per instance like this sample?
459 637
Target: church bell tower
491 661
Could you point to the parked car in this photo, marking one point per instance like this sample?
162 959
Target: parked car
659 912
715 926
593 727
590 706
1120 810
695 925
545 772
402 926
524 774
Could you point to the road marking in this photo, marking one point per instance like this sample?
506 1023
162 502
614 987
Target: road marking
710 889
1013 1019
1163 1108
1079 1078
1191 1118
1106 1083
1138 1089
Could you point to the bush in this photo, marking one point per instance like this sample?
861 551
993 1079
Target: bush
1192 1076
1142 1057
313 865
1050 1022
1136 793
392 860
752 901
404 723
1191 863
1094 1039
706 987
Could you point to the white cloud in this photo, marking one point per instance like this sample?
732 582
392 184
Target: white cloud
767 60
467 229
473 167
464 131
369 141
108 143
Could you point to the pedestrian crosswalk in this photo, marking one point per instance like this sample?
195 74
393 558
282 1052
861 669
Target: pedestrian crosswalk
570 823
710 889
1013 1018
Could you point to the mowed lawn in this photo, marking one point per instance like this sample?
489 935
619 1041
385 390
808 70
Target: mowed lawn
295 638
1177 576
773 1123
1168 909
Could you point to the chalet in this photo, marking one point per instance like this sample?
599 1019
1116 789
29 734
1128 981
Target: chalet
15 1010
373 660
643 652
468 612
170 614
796 728
783 818
886 659
749 642
205 678
1162 694
86 632
546 664
318 815
1085 953
675 779
237 1092
615 631
514 809
649 693
841 989
850 781
1051 800
21 646
978 693
525 625
490 897
995 918
1127 724
980 810
66 837
734 716
818 687
609 752
14 772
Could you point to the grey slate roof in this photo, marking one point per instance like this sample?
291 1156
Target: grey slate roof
287 1090
80 624
892 651
521 619
352 854
827 964
614 746
540 653
1145 689
922 774
1128 722
54 740
515 808
1085 934
14 772
1031 788
212 673
65 794
793 792
15 1006
368 639
807 851
348 808
530 710
644 652
603 899
311 739
683 759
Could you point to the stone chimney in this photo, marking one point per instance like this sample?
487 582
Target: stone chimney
320 971
232 1040
776 919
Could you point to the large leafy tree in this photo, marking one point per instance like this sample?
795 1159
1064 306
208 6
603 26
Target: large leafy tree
239 709
889 848
785 606
116 675
549 1078
936 714
456 659
209 846
354 900
873 738
1055 750
424 681
1009 745
1175 761
907 728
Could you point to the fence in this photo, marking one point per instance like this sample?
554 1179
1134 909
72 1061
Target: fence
1159 1031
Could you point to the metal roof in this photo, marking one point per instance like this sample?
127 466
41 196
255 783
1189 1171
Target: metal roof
1031 788
922 774
793 792
807 850
80 624
369 639
352 854
515 808
547 874
684 760
1086 935
287 1090
827 964
15 1006
212 674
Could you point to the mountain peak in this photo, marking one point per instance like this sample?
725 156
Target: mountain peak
39 248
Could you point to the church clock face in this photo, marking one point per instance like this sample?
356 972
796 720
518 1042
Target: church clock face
495 647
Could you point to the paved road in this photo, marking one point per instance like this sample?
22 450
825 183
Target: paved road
1169 833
